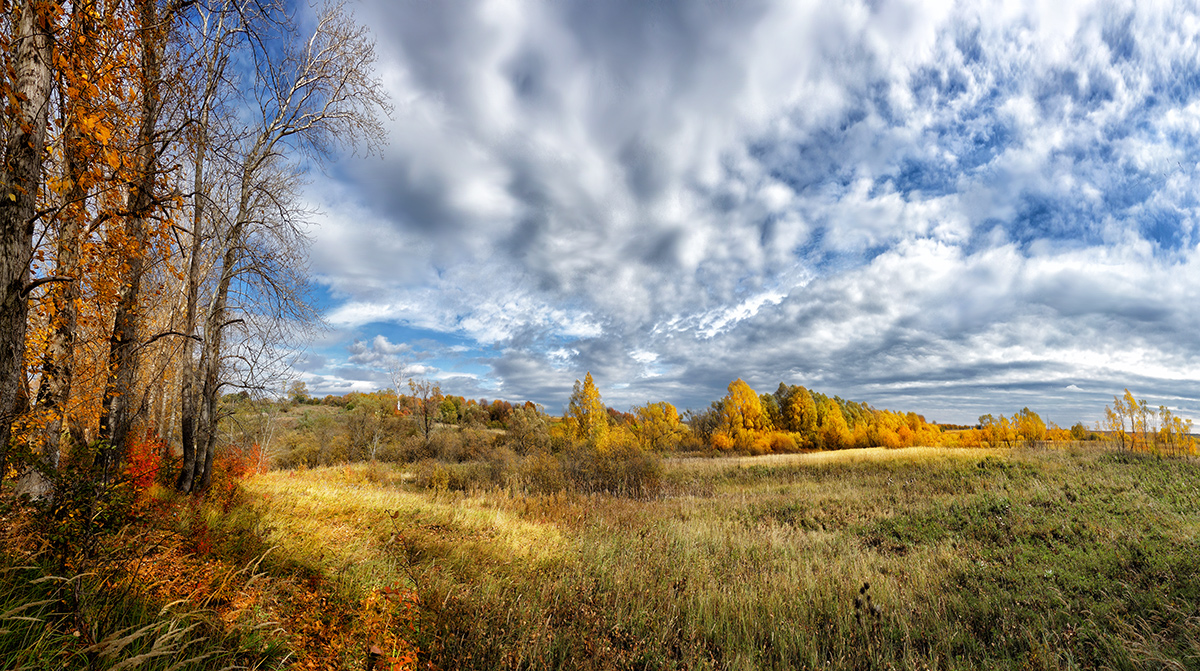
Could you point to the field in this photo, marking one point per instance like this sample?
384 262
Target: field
916 558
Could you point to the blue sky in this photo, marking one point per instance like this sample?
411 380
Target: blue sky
954 208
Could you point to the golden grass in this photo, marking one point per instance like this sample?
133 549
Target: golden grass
974 557
342 518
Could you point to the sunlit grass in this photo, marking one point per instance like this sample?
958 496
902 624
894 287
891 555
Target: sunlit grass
343 519
1009 559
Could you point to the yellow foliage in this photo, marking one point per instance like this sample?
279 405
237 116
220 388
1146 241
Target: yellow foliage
587 418
742 417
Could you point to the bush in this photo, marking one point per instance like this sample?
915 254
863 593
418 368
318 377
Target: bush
461 477
538 473
622 469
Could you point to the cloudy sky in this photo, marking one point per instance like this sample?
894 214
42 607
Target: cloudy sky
952 208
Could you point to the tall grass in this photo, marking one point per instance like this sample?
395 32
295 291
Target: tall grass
107 618
1025 559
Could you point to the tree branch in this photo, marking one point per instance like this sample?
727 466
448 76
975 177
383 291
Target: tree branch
174 333
43 280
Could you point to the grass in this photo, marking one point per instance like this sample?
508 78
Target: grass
1023 560
864 559
107 615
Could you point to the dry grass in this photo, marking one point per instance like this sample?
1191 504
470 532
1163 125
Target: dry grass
1025 559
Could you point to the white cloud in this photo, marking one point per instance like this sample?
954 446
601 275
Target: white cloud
962 201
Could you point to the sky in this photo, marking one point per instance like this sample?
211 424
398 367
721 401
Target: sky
950 208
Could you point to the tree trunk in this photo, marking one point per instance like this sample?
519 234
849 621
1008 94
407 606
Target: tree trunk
187 393
57 366
119 406
19 180
191 436
210 367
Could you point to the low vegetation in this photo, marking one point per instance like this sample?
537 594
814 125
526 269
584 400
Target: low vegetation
914 558
865 559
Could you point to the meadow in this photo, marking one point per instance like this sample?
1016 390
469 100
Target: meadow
917 559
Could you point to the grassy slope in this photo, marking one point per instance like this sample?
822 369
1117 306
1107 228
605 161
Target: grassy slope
1026 559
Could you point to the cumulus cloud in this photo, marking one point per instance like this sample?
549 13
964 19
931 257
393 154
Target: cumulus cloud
950 207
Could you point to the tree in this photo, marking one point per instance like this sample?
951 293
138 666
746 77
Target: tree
703 424
26 100
1124 411
834 432
88 118
426 399
309 96
800 415
215 38
298 391
448 410
135 235
587 418
1030 427
528 430
1079 431
742 416
658 426
367 423
996 430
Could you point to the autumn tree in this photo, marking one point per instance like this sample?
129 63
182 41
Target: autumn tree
798 413
28 59
1029 426
833 432
298 391
996 431
87 148
658 426
586 417
135 233
742 417
1122 414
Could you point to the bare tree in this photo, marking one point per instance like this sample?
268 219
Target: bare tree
310 96
397 373
426 399
215 32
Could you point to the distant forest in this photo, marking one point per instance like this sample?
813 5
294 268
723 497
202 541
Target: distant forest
421 422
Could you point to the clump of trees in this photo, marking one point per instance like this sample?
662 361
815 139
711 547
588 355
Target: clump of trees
794 418
152 234
461 443
1137 427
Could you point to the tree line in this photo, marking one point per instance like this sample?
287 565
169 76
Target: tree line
791 419
152 231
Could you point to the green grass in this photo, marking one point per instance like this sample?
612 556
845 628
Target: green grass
1021 560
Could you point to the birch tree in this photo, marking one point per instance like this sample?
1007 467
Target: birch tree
26 102
310 97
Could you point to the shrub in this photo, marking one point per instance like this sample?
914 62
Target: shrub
463 477
538 473
622 469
